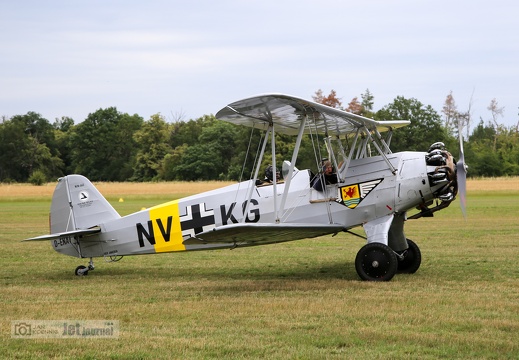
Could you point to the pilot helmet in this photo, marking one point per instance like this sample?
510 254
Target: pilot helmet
269 173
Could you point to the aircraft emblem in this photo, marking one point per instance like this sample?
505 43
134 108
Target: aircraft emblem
352 195
197 219
83 196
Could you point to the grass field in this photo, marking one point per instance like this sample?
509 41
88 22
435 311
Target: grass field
296 300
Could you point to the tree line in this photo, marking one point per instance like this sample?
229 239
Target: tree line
110 145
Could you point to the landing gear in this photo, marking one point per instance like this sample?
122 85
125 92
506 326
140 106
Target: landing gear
410 259
376 262
82 270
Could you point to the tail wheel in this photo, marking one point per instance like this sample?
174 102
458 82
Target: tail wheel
81 270
376 262
412 259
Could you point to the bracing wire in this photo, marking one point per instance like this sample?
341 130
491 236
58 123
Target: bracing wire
317 153
245 161
247 154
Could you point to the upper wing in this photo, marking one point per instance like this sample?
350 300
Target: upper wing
83 232
285 113
262 233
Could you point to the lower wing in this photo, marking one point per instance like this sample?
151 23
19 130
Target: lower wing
255 234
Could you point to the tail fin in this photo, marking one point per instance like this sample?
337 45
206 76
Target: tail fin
77 204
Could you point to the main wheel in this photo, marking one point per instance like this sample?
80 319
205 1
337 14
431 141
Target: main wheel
376 262
80 270
412 259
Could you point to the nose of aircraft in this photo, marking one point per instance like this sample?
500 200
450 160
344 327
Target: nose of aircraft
442 173
446 178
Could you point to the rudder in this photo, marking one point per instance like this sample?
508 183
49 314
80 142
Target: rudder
77 204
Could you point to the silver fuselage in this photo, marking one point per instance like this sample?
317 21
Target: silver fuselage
369 190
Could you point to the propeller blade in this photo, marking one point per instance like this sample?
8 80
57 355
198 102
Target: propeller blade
461 174
461 177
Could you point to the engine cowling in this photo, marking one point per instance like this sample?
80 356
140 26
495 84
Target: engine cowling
441 172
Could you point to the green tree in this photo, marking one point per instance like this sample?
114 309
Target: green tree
104 147
28 144
13 141
425 128
247 141
508 151
209 158
37 127
482 132
188 132
152 143
63 128
197 163
482 159
64 124
168 171
367 101
491 153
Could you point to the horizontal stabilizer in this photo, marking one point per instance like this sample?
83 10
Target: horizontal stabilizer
83 232
255 234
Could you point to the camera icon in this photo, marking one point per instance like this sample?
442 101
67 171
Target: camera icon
22 329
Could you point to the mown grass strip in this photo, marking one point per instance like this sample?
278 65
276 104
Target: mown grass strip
294 300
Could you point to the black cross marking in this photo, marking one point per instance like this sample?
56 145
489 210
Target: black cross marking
193 222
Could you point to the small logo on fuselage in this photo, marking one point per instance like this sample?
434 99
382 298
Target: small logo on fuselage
83 196
352 195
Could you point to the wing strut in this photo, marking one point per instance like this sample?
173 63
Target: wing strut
393 170
361 151
274 177
329 148
384 144
251 188
343 154
346 164
292 163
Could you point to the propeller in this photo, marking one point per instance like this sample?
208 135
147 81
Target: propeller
461 175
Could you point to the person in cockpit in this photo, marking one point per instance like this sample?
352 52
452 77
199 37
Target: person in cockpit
269 176
327 174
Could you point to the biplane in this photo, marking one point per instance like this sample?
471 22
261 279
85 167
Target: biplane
371 187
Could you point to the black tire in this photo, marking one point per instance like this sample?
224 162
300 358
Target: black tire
412 259
83 273
376 262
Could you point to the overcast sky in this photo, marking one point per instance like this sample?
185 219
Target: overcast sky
191 58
